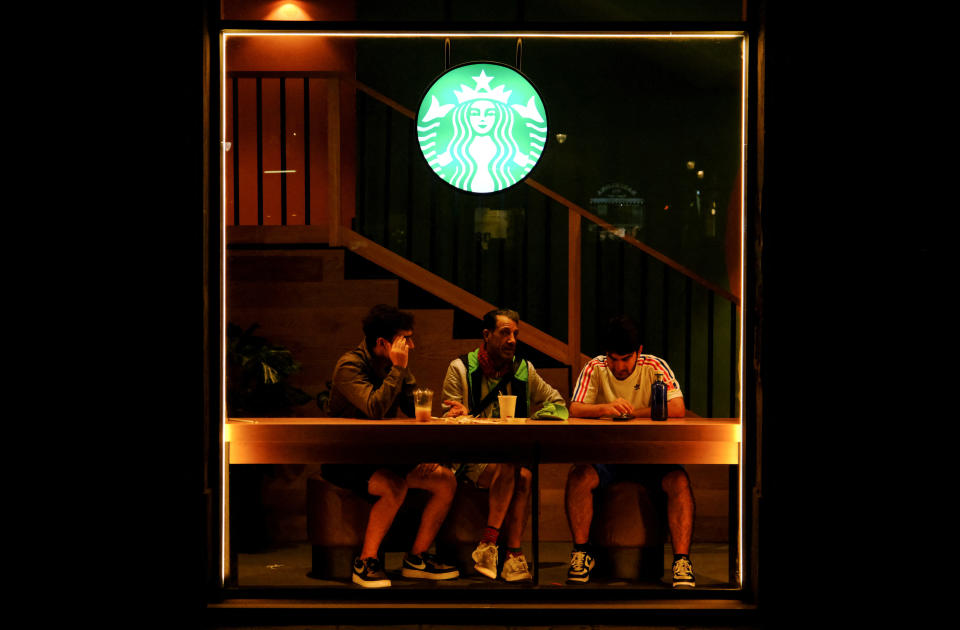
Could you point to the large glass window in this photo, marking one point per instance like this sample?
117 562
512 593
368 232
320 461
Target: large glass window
635 207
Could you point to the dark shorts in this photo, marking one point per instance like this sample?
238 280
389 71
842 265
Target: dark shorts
648 475
356 476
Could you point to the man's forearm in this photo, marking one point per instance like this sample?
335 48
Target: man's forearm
588 410
676 408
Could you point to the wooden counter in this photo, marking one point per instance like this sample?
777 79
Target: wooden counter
341 440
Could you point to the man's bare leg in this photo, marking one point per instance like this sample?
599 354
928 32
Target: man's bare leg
442 485
578 500
391 490
680 510
500 479
517 512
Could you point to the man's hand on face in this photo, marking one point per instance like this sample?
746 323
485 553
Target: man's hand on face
618 407
399 351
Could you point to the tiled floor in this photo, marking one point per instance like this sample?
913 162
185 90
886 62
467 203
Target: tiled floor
290 567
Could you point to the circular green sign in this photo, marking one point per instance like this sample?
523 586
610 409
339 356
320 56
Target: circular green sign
482 127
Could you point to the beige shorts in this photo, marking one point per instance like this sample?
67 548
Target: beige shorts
469 473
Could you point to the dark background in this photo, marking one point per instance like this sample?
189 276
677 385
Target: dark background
853 286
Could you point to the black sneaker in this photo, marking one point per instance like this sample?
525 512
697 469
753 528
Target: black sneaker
427 566
683 573
369 574
581 564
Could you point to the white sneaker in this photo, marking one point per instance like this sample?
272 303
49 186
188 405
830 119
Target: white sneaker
485 556
515 569
683 574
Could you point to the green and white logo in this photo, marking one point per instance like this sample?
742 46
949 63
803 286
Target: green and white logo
482 127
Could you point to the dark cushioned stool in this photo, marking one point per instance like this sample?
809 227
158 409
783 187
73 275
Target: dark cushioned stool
337 519
627 531
463 528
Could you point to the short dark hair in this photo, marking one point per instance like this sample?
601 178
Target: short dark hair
385 321
490 319
621 335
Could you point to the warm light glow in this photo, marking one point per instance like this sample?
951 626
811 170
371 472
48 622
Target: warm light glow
278 172
479 35
223 310
292 12
743 231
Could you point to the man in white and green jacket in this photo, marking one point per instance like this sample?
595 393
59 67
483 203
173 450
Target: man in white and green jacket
470 388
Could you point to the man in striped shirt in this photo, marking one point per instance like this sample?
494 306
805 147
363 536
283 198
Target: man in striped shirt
617 385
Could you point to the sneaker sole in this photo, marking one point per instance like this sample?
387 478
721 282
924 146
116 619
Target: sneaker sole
370 583
579 580
518 578
684 584
426 575
485 571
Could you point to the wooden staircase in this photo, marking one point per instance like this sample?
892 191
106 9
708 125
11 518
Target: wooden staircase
302 300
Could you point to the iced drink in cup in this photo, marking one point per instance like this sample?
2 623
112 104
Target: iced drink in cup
423 404
508 406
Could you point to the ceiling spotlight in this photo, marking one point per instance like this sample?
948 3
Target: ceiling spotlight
561 138
690 165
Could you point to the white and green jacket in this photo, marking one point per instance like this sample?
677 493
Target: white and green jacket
466 384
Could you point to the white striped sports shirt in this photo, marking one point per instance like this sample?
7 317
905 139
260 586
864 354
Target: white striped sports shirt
597 384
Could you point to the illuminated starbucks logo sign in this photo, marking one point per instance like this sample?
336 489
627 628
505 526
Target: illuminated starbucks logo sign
482 127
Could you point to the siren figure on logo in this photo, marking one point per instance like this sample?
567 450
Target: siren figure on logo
478 144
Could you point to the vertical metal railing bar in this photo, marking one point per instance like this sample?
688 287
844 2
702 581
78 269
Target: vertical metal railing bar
710 300
524 253
334 192
434 255
386 179
547 249
621 256
664 319
411 125
455 252
644 272
598 275
259 151
306 150
360 214
502 290
688 336
236 150
574 287
283 151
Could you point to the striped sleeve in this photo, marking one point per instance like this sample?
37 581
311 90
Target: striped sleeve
673 386
585 390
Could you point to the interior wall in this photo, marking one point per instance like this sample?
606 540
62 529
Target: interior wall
293 55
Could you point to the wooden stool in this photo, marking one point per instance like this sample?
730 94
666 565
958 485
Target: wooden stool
627 530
